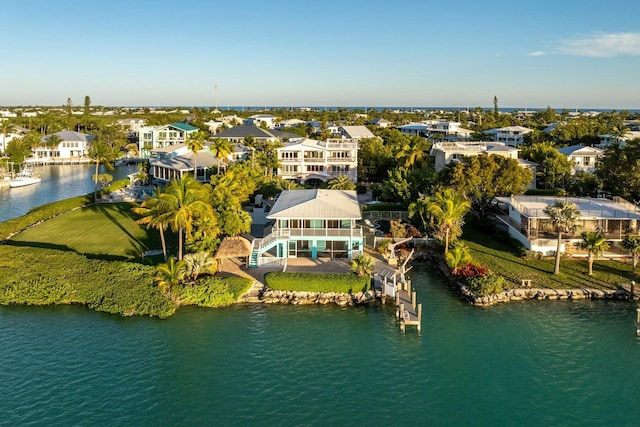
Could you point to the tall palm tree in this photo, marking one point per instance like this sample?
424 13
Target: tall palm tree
448 209
185 200
415 150
154 216
52 141
101 154
341 182
419 207
619 132
169 275
195 143
221 148
362 265
564 215
595 244
632 245
5 127
249 141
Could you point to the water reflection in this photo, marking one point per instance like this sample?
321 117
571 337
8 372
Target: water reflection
58 182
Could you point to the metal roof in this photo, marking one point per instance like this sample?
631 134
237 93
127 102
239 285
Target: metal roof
316 204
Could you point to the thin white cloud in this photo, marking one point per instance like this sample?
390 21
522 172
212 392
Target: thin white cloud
537 53
602 45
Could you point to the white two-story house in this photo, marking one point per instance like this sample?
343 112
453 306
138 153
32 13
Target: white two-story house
152 137
310 161
510 135
582 158
63 145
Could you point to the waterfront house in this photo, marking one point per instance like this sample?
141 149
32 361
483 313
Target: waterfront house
153 137
131 125
582 158
312 224
70 146
526 221
436 130
510 135
309 161
174 161
260 136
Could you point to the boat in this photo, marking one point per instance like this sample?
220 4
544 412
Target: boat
23 178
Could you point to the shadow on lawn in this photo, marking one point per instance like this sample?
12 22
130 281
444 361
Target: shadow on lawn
135 257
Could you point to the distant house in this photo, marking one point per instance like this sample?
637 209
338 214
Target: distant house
151 138
259 135
610 139
131 125
380 123
71 146
311 224
510 135
355 132
290 123
260 120
445 152
436 130
528 223
310 161
582 158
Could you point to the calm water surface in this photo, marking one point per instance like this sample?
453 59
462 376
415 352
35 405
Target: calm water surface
534 363
58 183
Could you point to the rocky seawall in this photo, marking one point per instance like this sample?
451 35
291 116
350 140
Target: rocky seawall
308 298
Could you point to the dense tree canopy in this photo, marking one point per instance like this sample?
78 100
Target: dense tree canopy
619 170
483 177
553 168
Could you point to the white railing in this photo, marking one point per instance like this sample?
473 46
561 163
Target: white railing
268 261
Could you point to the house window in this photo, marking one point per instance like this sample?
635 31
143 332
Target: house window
289 155
315 168
339 168
586 161
284 223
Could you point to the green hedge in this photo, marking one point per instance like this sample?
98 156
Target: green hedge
316 282
38 276
214 292
41 213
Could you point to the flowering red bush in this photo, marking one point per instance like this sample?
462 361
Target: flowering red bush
471 270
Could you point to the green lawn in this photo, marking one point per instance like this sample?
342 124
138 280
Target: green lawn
105 231
500 257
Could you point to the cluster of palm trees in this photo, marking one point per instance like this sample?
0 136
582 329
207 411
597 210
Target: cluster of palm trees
445 211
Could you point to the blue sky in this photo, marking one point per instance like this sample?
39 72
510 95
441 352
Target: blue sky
562 53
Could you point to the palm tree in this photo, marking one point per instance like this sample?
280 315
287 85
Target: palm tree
341 182
458 258
249 141
185 200
221 148
415 150
5 127
632 245
619 132
419 207
154 216
195 143
52 141
362 265
448 209
595 244
169 275
100 153
198 263
564 215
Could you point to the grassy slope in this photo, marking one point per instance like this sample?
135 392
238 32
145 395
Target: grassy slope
501 259
104 231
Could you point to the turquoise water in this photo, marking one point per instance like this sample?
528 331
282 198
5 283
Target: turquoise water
533 363
58 182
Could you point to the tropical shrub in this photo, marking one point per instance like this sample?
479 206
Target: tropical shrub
470 271
317 282
383 246
214 291
487 284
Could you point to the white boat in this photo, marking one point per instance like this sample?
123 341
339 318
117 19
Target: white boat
24 177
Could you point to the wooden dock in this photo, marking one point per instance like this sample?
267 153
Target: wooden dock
407 311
